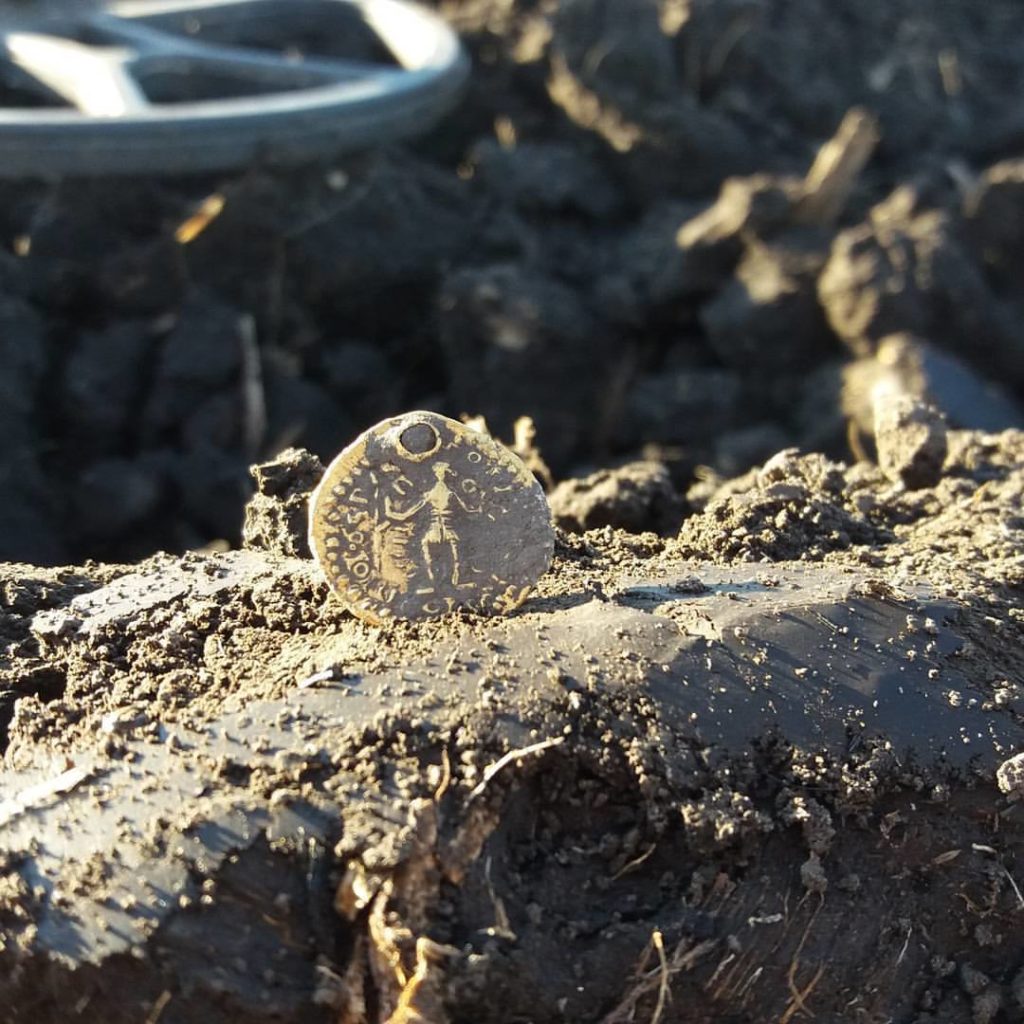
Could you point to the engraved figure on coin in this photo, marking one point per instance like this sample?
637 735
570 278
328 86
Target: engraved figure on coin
392 537
438 508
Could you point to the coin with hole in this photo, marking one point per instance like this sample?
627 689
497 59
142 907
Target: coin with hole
422 515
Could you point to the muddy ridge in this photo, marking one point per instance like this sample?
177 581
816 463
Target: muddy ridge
744 768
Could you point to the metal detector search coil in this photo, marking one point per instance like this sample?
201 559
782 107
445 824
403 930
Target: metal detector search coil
178 86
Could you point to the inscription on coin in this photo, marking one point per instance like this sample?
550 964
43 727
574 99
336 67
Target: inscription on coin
421 515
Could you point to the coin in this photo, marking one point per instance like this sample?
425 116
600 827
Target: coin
421 515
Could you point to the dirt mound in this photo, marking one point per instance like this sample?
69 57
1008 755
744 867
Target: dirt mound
660 778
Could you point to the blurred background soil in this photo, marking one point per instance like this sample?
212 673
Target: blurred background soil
616 233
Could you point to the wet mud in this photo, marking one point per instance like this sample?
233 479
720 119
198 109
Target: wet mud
742 779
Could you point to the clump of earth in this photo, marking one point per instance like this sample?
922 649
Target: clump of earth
752 749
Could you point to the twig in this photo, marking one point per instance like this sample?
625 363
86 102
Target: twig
158 1007
1016 888
751 980
836 168
351 196
982 848
800 996
502 925
317 677
683 959
507 759
446 776
906 946
28 798
663 980
254 399
626 868
326 676
722 964
205 214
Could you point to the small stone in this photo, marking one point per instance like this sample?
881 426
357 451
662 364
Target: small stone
911 440
1010 776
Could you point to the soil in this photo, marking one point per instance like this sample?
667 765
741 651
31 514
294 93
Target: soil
610 235
751 751
765 764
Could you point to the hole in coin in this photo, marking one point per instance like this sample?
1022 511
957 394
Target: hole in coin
419 439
